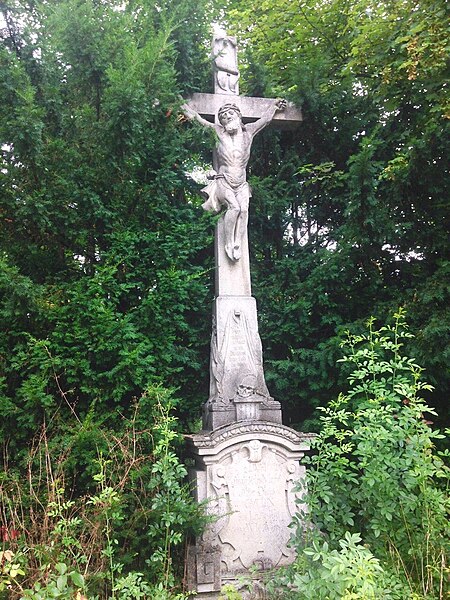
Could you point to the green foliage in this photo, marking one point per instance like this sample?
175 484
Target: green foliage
171 505
132 586
349 216
105 259
11 569
102 277
229 592
103 294
60 584
348 573
136 516
375 474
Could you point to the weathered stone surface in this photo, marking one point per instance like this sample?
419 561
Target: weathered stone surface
236 367
232 278
248 472
251 108
203 572
213 442
227 187
225 69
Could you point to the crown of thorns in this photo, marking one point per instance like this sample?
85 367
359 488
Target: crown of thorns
225 107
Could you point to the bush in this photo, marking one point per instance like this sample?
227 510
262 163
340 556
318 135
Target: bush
58 544
375 476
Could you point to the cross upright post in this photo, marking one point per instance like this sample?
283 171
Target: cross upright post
237 387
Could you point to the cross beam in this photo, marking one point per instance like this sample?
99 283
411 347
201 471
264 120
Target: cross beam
251 108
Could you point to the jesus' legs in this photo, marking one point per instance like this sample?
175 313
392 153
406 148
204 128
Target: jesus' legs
242 198
232 243
235 218
227 197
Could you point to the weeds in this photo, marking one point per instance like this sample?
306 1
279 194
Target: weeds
116 540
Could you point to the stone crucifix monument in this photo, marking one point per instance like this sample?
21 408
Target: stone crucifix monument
246 462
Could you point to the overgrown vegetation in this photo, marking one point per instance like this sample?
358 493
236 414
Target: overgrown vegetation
56 543
378 489
106 266
103 272
349 216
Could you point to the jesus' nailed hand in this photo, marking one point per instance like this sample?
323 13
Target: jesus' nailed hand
228 188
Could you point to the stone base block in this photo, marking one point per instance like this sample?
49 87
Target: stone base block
247 472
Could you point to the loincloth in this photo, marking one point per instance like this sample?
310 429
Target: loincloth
211 192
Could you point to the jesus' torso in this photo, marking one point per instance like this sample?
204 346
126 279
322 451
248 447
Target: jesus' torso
233 153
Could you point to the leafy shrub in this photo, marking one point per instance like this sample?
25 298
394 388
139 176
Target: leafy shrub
229 592
61 583
376 475
348 573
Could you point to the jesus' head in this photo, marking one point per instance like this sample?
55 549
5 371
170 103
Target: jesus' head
230 118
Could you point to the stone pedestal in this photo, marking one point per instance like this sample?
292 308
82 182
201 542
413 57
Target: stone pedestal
246 471
236 367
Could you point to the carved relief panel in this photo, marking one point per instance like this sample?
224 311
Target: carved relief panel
226 73
236 352
251 492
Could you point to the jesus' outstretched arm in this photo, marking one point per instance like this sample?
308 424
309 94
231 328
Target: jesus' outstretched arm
254 128
193 114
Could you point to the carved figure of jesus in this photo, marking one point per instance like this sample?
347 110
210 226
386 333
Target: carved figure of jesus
228 187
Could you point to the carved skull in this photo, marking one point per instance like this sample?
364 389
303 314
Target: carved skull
247 386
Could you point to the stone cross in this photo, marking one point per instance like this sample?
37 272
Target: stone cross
237 386
245 462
